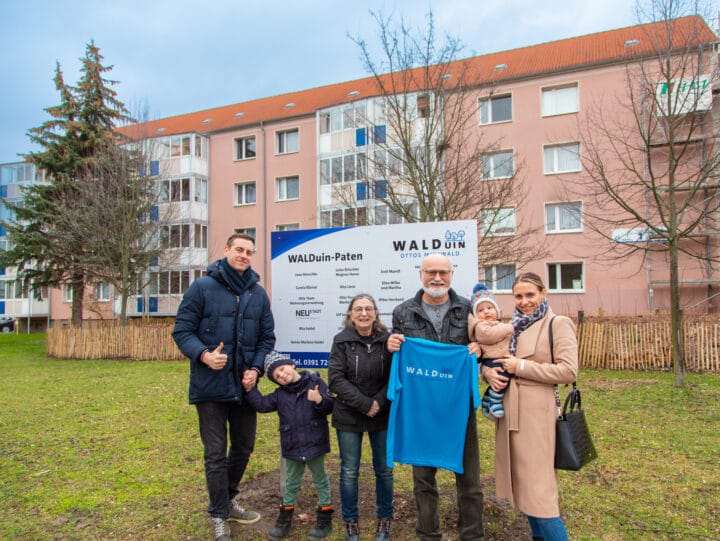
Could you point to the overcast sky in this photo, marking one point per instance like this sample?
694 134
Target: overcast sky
179 56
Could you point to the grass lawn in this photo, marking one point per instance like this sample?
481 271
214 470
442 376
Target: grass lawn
110 450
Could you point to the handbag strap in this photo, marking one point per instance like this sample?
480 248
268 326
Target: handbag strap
575 394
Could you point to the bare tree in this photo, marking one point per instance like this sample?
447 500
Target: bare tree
119 217
652 168
436 161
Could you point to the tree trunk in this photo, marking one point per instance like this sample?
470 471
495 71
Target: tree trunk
676 318
78 293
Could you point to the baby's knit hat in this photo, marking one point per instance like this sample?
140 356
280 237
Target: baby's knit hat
481 293
273 360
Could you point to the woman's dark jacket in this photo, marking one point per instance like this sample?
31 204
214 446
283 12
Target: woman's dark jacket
410 319
358 373
212 312
304 432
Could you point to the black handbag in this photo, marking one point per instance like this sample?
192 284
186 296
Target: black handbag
573 444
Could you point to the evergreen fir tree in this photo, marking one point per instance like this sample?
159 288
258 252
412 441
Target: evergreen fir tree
44 246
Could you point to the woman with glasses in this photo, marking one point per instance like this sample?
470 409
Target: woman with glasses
358 373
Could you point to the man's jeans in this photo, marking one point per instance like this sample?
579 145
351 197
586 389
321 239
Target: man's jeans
350 445
224 468
467 486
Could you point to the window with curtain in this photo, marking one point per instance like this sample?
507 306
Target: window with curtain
287 188
562 158
497 165
500 277
560 100
563 217
288 141
496 109
245 193
499 222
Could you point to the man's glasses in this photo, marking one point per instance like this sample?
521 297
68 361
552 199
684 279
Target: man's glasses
441 273
361 309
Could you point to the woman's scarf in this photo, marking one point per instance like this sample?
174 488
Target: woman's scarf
521 321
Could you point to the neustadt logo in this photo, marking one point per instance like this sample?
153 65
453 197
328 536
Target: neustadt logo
440 373
452 240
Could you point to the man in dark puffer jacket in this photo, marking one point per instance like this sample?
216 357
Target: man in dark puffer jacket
224 326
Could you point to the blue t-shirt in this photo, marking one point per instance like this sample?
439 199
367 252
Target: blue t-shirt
432 386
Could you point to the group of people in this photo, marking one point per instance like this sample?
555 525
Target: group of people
225 327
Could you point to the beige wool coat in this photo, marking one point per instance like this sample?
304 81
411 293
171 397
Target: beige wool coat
525 436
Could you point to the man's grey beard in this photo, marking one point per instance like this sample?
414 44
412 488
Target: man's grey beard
436 292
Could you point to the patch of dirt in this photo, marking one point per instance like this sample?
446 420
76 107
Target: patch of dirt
262 494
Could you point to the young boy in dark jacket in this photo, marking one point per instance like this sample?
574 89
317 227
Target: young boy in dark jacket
303 403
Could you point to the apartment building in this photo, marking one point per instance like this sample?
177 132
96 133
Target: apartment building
302 160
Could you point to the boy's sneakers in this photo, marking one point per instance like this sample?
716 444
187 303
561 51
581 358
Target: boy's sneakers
240 514
221 530
492 405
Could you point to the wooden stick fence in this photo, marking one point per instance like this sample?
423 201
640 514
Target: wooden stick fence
615 345
111 341
646 345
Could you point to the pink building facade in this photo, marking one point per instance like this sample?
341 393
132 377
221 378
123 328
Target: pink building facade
274 164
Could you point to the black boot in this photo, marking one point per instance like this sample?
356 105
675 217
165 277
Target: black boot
323 527
283 523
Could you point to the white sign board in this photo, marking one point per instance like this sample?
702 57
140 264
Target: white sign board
316 272
629 236
684 95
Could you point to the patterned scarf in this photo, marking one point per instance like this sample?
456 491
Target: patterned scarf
521 321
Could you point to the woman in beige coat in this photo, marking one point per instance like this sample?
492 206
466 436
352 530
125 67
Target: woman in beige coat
525 437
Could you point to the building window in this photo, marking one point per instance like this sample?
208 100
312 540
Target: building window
563 217
173 282
200 236
500 277
287 227
565 277
287 188
423 106
499 222
176 236
67 293
175 190
250 231
180 146
496 109
245 148
200 147
498 165
102 292
201 186
287 141
345 168
560 100
562 158
245 193
8 289
345 117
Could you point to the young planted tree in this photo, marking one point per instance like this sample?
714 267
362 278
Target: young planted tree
651 185
437 162
81 128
